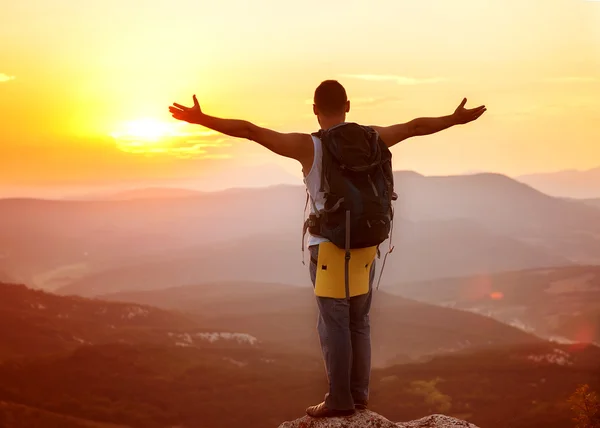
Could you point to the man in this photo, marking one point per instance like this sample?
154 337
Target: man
343 324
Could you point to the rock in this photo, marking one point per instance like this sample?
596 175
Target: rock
436 421
368 419
363 419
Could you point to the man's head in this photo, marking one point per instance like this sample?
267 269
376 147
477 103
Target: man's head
330 103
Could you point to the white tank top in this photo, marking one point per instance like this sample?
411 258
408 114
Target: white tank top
313 184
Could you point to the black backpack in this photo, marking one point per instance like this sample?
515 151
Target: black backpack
358 185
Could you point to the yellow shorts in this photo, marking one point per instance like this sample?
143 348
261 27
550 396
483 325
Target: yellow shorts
331 274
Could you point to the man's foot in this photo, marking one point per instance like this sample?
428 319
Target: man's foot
321 411
360 405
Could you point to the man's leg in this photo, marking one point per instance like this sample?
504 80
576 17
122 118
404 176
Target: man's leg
333 327
360 331
334 333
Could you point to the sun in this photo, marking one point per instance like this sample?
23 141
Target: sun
144 131
153 137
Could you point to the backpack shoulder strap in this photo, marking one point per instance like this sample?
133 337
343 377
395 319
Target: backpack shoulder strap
325 159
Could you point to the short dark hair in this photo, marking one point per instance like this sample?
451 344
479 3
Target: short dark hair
330 97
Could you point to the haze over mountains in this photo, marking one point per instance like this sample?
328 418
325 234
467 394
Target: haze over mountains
227 176
593 202
445 226
404 330
269 316
568 183
561 304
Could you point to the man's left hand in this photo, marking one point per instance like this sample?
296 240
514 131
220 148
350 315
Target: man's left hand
462 115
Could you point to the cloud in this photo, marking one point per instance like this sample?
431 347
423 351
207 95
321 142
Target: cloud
104 161
572 79
400 80
5 78
197 145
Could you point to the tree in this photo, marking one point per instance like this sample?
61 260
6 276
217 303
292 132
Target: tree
434 398
586 406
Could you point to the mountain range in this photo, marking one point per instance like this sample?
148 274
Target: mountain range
593 202
562 304
168 307
445 226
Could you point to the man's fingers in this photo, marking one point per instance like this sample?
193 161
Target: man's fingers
478 114
179 106
462 104
178 111
477 110
472 115
196 101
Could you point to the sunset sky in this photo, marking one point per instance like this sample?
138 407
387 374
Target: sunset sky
85 86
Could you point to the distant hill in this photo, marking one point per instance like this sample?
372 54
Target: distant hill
218 179
569 183
593 202
423 250
504 207
403 330
446 226
4 278
236 315
143 193
49 243
34 323
559 303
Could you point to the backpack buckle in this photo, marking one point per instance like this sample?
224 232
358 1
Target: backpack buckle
312 223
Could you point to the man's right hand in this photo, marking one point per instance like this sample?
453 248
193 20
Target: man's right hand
292 145
187 114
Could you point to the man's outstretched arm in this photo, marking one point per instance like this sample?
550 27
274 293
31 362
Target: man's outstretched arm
428 125
292 145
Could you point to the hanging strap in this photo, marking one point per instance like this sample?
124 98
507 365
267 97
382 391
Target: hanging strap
348 255
305 225
306 221
389 251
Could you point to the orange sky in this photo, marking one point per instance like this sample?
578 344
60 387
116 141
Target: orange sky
85 86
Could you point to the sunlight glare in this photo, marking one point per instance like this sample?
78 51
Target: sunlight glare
497 295
150 136
145 130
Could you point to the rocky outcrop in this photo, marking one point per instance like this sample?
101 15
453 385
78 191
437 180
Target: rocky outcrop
368 419
436 421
